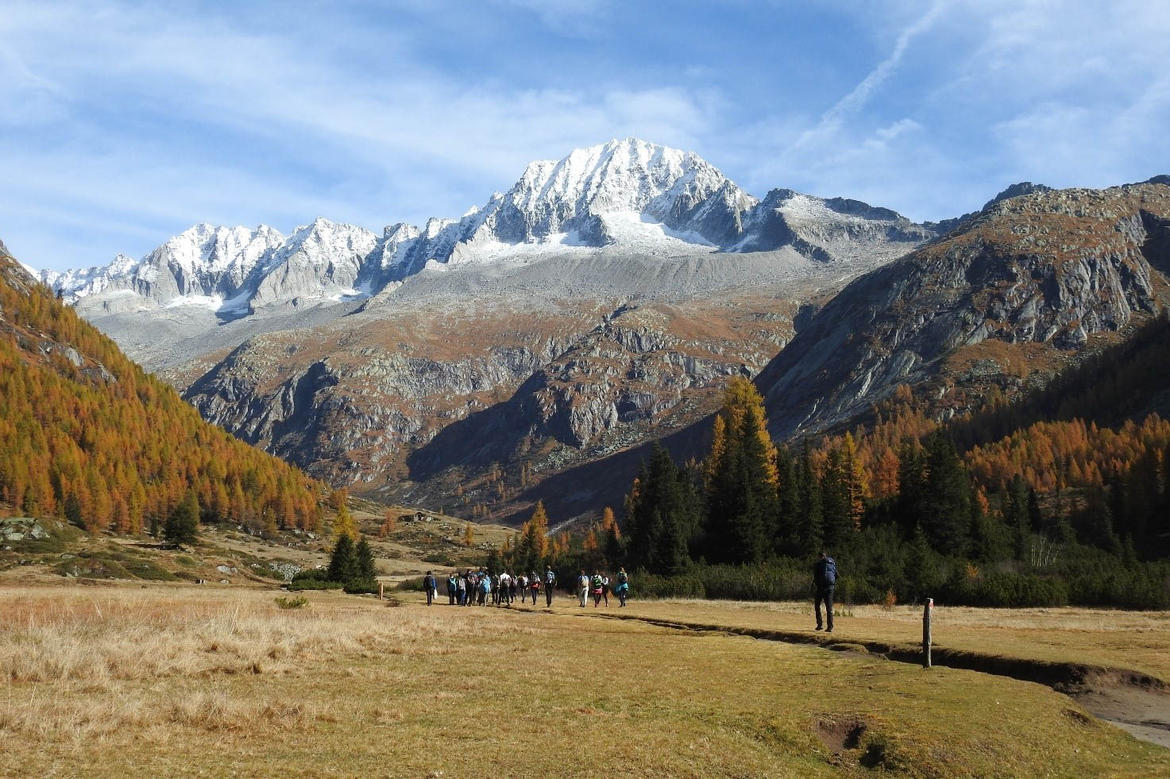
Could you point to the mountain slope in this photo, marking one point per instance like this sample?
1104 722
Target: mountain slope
1020 289
87 435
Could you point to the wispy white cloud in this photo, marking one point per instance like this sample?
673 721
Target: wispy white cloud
832 119
567 17
421 143
126 119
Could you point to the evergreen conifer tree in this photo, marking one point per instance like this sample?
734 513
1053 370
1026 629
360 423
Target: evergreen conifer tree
835 501
182 525
364 559
786 531
947 496
662 516
343 563
809 502
741 479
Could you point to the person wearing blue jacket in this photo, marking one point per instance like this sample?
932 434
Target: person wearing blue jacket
824 579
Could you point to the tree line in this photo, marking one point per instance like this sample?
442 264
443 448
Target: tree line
1055 512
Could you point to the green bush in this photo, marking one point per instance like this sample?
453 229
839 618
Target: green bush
298 602
314 579
314 584
360 586
648 585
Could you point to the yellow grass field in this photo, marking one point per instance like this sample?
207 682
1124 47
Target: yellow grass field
1135 640
184 680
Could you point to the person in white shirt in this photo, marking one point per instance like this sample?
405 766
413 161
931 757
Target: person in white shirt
503 588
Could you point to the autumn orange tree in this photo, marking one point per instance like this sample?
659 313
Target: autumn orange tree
86 434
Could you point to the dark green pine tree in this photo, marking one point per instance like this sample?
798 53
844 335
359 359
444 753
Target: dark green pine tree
182 525
637 519
1096 525
662 516
786 530
366 573
923 574
910 508
1035 515
838 526
741 501
1015 515
810 513
343 563
991 540
73 510
946 501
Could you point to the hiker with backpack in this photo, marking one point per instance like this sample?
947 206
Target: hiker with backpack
597 584
824 579
550 581
583 588
452 588
623 586
534 585
485 588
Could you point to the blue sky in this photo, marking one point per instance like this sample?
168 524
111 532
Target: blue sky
123 123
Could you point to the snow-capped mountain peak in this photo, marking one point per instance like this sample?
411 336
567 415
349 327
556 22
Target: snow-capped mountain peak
623 193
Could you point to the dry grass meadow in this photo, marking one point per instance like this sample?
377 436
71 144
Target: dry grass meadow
1135 640
186 680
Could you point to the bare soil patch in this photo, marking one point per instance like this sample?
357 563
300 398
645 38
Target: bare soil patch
840 735
1143 711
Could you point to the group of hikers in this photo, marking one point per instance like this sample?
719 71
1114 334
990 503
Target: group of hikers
480 588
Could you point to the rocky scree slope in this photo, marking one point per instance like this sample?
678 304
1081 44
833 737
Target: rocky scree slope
1020 289
420 409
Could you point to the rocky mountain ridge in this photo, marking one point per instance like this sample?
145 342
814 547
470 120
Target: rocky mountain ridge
626 195
1026 286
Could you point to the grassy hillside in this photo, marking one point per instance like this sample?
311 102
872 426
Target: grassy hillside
49 550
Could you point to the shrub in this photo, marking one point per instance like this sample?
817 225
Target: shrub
299 602
316 579
360 586
649 585
313 584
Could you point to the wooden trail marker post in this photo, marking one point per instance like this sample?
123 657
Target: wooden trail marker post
926 612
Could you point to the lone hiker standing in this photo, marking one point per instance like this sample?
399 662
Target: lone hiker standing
825 579
431 586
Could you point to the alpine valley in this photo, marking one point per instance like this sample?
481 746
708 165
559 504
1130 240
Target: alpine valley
533 347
